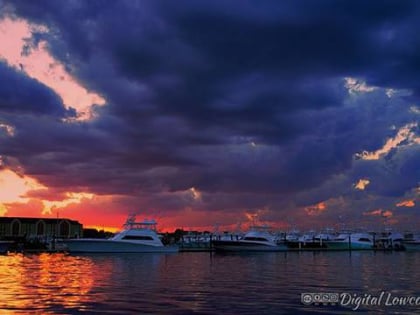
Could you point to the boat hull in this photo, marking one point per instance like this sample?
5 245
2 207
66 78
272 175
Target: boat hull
412 245
306 245
241 246
345 245
110 246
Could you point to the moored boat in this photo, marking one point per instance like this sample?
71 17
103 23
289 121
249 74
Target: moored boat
389 240
257 239
412 242
351 241
310 240
136 237
412 245
195 242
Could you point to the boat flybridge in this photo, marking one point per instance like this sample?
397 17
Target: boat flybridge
136 237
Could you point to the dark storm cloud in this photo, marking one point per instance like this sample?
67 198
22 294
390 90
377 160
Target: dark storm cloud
22 95
225 96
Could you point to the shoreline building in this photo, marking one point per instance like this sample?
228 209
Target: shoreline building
39 228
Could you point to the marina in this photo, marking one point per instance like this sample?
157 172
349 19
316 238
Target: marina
146 240
260 238
144 237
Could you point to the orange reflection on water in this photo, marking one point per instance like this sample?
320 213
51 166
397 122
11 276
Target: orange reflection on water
47 281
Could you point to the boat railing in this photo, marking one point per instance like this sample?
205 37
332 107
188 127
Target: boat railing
131 223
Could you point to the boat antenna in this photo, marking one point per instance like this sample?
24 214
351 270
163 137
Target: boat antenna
131 219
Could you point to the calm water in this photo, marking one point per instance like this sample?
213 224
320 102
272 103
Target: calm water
202 283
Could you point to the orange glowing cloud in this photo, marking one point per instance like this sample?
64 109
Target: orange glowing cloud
405 135
16 189
13 188
103 212
387 214
406 203
316 210
255 217
70 198
373 212
379 212
38 63
361 184
250 216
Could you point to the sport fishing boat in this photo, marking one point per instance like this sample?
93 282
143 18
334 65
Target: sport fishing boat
136 237
351 241
309 240
389 240
412 243
258 238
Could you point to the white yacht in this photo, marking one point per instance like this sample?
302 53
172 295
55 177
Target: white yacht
136 237
351 241
412 243
309 240
258 238
195 242
389 240
325 235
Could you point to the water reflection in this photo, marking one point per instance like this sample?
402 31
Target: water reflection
196 283
31 282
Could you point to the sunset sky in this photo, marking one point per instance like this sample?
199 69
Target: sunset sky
204 114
